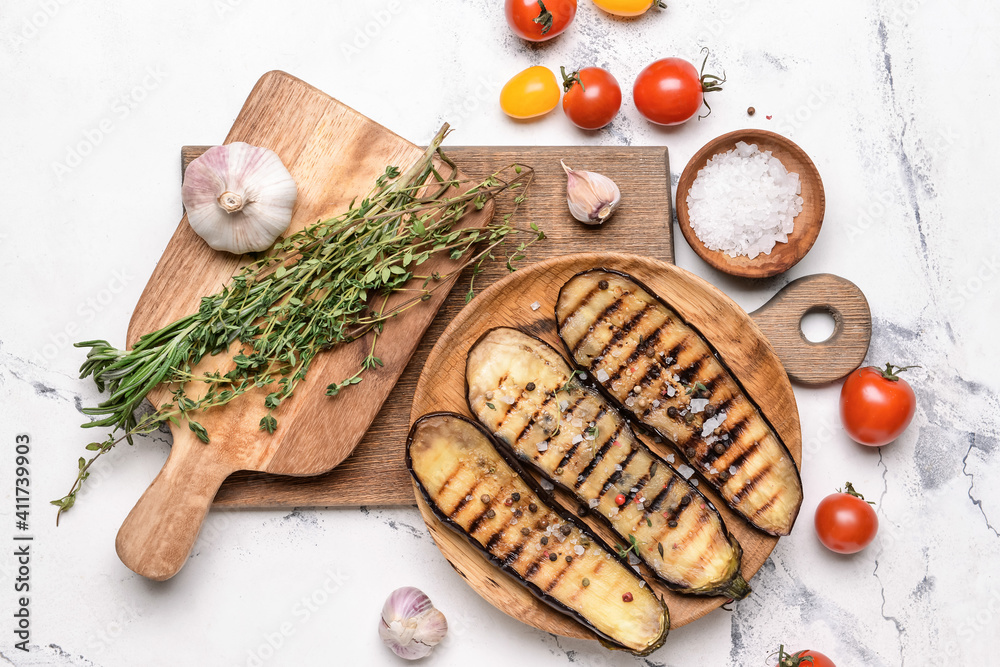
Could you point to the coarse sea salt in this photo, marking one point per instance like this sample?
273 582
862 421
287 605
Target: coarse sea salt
744 201
536 306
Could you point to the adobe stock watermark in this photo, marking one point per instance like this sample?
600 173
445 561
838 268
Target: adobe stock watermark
720 20
486 91
35 22
819 97
984 619
974 284
121 108
86 311
101 639
364 36
223 7
302 611
877 208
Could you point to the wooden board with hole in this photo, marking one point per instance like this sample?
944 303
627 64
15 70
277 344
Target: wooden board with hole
736 338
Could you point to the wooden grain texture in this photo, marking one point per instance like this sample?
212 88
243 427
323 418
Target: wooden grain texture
807 223
335 154
827 361
736 338
374 474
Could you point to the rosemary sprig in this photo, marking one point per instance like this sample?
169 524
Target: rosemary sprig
333 282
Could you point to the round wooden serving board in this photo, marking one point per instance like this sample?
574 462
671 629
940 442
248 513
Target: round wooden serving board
735 336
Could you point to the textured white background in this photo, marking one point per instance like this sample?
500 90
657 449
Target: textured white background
894 101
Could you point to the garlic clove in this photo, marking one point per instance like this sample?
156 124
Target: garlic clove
410 624
239 198
592 197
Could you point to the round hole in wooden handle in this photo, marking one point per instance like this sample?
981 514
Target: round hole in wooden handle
158 534
817 363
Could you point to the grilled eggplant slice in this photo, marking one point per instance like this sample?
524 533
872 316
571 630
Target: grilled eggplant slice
481 492
523 390
665 373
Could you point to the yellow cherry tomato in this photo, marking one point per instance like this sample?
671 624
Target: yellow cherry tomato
627 7
533 92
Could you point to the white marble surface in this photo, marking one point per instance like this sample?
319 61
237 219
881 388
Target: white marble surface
896 103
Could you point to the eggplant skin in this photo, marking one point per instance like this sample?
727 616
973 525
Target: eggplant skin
641 350
467 481
526 393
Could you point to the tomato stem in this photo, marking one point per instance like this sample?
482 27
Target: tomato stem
891 372
786 660
570 79
544 17
710 83
851 491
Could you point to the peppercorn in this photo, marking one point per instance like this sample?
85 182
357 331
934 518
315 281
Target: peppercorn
569 559
627 597
526 531
603 284
671 411
518 513
581 511
544 540
585 582
516 496
709 411
490 514
485 498
690 452
530 386
724 475
566 529
751 111
532 507
619 499
559 470
672 523
685 500
508 502
543 524
553 557
719 448
650 352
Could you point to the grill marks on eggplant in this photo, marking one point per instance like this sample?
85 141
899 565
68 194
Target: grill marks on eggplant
594 455
649 360
444 447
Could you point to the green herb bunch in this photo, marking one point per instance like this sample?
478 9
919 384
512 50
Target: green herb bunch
325 285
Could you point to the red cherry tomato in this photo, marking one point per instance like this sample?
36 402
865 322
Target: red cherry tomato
800 659
876 405
671 91
539 20
845 523
593 97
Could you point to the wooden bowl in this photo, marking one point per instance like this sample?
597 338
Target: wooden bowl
526 299
807 223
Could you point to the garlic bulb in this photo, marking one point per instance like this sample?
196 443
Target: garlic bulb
239 198
411 626
592 197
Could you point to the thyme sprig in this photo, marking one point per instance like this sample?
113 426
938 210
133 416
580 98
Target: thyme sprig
334 282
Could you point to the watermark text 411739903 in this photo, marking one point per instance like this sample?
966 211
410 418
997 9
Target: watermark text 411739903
22 551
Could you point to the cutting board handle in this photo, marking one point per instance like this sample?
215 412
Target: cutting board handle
817 363
158 534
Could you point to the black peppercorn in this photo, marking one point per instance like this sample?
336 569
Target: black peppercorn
566 529
530 386
671 411
515 496
490 514
603 284
553 557
532 507
544 540
672 523
526 531
709 411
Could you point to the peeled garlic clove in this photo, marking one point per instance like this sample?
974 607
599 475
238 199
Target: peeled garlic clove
239 198
411 626
592 197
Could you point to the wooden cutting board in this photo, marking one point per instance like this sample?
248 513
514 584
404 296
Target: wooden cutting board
737 339
374 474
335 154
